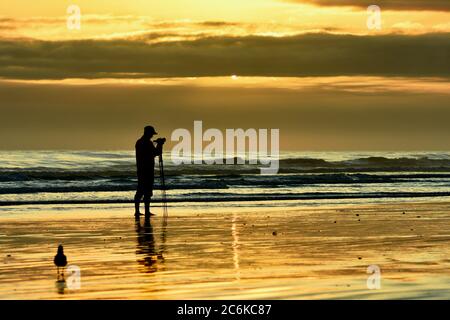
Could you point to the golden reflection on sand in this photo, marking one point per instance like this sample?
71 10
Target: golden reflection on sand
235 245
230 253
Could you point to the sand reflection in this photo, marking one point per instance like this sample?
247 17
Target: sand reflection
235 246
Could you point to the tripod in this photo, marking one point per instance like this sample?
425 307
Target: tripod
164 206
163 190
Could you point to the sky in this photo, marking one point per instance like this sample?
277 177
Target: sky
311 68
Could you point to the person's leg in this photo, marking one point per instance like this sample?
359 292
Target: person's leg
148 195
147 198
137 201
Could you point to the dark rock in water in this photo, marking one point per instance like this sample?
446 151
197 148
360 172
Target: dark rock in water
359 258
335 222
403 212
274 233
357 214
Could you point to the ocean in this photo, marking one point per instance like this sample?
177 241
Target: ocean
91 177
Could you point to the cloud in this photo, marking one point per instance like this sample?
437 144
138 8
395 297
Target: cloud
408 26
442 27
218 23
121 27
432 5
302 55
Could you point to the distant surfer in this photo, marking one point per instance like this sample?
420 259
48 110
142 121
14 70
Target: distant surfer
146 152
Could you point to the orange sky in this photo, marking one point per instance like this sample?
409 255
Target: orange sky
298 57
118 18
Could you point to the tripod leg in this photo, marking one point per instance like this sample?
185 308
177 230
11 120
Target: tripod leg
163 186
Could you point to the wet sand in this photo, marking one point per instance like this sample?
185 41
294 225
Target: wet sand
229 253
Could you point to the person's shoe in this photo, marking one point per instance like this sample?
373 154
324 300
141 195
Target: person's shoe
149 214
138 214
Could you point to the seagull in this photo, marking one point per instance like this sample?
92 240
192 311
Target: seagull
60 259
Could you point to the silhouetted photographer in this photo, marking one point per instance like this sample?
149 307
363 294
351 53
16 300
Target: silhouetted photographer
146 152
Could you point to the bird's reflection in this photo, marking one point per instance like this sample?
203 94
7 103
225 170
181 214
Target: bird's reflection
147 254
60 285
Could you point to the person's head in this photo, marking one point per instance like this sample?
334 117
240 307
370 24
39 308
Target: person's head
149 132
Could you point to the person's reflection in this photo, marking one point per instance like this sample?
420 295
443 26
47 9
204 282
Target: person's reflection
146 249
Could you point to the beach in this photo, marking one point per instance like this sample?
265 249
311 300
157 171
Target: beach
258 250
289 149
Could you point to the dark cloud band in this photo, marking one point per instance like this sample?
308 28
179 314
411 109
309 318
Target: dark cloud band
303 55
432 5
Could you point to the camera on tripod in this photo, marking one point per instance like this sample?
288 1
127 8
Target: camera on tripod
160 140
